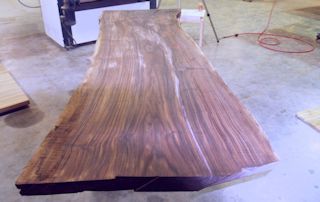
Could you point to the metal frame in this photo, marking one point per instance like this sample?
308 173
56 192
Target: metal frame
67 9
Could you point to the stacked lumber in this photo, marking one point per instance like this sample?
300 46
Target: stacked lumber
11 95
151 115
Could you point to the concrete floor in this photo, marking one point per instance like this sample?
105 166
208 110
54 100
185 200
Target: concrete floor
274 86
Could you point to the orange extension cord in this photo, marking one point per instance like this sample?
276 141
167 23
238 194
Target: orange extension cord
270 41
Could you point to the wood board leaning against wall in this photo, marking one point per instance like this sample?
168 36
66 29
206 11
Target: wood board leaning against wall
151 115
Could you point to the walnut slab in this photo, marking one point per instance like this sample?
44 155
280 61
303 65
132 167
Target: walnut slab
151 115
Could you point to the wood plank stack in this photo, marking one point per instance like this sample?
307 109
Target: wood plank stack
11 95
151 115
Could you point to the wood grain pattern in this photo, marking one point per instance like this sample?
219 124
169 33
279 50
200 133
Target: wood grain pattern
11 95
311 117
151 111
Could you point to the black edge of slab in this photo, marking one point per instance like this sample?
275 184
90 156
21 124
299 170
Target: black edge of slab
146 184
120 183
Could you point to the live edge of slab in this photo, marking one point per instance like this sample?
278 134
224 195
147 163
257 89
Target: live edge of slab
147 184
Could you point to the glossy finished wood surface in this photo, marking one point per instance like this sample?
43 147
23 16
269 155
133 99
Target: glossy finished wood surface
151 109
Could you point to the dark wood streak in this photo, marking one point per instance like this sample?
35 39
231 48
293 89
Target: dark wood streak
151 106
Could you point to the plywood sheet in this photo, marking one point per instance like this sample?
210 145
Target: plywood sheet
151 115
11 95
311 117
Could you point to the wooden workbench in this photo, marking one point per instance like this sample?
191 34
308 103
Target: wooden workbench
151 115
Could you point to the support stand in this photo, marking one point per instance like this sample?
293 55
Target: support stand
208 15
210 20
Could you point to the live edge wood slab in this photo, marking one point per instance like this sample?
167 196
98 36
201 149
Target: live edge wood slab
151 115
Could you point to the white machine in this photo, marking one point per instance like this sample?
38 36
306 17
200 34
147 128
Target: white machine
73 22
